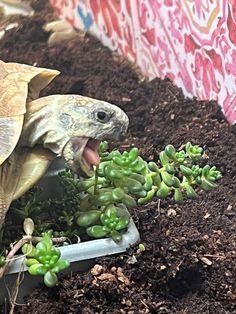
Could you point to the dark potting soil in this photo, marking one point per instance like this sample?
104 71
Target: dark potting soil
189 265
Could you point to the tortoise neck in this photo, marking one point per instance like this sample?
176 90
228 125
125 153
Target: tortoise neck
41 127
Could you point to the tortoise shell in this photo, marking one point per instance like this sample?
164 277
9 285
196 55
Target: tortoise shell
19 83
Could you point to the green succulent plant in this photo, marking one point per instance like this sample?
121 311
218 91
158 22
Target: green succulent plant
127 179
44 260
97 206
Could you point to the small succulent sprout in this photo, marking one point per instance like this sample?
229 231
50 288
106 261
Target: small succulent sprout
133 154
142 193
104 197
36 269
207 185
118 194
170 152
88 218
193 151
196 171
211 173
98 231
167 178
126 159
198 180
138 177
138 165
148 197
176 182
116 235
60 265
83 186
115 153
208 178
133 185
44 260
103 147
129 201
141 247
163 191
163 158
114 218
148 182
50 279
156 178
170 169
186 171
122 159
190 192
153 167
31 261
28 249
67 218
178 196
100 170
214 173
113 172
180 156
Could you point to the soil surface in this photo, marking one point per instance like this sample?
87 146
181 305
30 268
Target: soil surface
189 265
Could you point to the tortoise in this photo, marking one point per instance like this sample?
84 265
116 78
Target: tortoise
34 131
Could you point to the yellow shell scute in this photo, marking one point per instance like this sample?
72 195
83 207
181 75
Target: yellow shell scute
19 83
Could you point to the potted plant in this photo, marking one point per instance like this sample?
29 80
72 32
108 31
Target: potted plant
94 208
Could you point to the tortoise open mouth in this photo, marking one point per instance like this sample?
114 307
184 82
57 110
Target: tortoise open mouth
89 156
81 154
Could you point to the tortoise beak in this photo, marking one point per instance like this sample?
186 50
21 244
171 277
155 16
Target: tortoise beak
121 132
118 133
81 155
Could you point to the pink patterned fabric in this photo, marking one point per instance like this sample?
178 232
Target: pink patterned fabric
193 42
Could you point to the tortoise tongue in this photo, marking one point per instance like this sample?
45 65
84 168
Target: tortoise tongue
91 156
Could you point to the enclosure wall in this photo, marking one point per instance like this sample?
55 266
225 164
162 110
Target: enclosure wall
193 42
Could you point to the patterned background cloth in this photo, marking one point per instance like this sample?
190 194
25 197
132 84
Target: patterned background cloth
193 42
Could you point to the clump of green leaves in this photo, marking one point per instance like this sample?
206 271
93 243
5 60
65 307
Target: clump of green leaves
132 178
97 207
44 260
127 179
179 173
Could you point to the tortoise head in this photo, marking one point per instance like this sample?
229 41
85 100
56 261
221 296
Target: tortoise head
88 121
72 126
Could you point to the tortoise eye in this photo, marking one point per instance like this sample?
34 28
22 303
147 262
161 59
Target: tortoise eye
102 116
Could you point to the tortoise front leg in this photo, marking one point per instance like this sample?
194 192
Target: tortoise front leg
19 173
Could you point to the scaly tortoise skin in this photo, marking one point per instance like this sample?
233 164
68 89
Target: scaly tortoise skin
34 131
